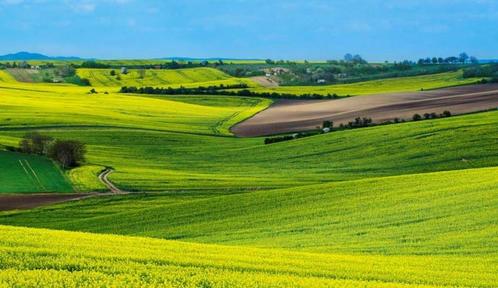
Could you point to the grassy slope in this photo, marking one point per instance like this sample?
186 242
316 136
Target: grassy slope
66 259
442 213
30 173
167 143
164 78
391 85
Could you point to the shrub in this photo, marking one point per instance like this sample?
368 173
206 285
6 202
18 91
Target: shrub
416 117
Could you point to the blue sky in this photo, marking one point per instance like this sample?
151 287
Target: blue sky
307 29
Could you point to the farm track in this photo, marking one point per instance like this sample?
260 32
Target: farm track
287 116
103 178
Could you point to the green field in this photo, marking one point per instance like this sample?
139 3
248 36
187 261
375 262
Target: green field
388 216
390 85
405 205
191 77
29 173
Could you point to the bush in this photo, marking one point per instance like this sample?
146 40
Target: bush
416 117
327 124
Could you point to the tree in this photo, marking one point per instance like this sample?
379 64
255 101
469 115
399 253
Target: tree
66 71
68 153
416 117
357 59
348 57
113 73
474 60
269 61
327 124
463 57
446 113
35 142
434 60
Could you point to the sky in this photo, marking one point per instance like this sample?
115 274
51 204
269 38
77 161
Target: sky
378 30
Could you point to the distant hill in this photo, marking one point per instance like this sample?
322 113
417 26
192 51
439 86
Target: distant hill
20 56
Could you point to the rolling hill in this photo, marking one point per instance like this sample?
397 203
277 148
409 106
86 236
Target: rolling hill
191 77
405 205
388 216
390 85
69 259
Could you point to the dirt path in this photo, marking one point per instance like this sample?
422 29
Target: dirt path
301 115
103 178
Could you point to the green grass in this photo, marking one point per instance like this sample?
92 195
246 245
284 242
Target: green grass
389 215
410 205
34 257
21 173
390 85
192 77
173 144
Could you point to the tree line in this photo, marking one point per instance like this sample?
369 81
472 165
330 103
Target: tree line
162 65
68 153
223 90
358 122
463 58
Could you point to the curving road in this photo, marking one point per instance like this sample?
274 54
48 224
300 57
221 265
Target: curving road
300 115
103 178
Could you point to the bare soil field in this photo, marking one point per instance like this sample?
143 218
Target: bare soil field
286 116
265 81
13 202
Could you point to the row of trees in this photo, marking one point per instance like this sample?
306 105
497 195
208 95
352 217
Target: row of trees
358 122
68 153
173 64
433 115
463 58
223 90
